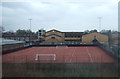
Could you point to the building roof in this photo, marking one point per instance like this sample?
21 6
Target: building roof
116 33
54 30
18 35
73 34
7 41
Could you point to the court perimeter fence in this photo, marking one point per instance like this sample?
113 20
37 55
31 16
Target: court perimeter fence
112 51
59 59
78 67
27 67
59 70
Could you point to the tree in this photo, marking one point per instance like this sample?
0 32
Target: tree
86 31
106 32
93 31
24 32
20 32
9 33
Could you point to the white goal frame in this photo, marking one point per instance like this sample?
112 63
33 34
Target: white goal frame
38 55
61 46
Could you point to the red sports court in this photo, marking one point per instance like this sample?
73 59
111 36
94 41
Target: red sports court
82 54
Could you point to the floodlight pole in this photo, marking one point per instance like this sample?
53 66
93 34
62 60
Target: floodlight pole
30 32
99 23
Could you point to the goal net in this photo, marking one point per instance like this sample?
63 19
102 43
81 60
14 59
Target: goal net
45 57
62 46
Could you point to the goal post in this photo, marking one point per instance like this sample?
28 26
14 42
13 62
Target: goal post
61 46
45 57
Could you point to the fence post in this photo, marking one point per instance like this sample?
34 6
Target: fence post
51 59
101 66
76 64
13 59
26 59
76 59
63 60
101 59
38 59
26 64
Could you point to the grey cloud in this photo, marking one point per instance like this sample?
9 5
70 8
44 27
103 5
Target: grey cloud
69 16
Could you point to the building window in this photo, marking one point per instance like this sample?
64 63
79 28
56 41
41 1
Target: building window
40 34
52 37
52 43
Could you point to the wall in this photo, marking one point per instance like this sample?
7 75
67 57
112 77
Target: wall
88 38
59 37
11 47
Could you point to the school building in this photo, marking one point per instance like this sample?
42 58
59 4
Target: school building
57 37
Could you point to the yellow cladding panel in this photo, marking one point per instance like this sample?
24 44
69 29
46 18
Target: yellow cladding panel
49 39
55 32
88 38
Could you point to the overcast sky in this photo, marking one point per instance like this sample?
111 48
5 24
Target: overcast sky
64 16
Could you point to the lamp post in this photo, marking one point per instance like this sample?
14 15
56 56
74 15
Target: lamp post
99 23
30 31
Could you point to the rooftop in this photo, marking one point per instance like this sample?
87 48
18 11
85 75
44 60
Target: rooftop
7 41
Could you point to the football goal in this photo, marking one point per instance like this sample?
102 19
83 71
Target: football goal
61 46
45 57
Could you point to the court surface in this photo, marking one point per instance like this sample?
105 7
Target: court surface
85 54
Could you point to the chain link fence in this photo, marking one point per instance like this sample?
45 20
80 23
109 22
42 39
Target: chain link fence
58 59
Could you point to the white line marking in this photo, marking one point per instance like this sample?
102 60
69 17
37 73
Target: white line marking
89 55
72 55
